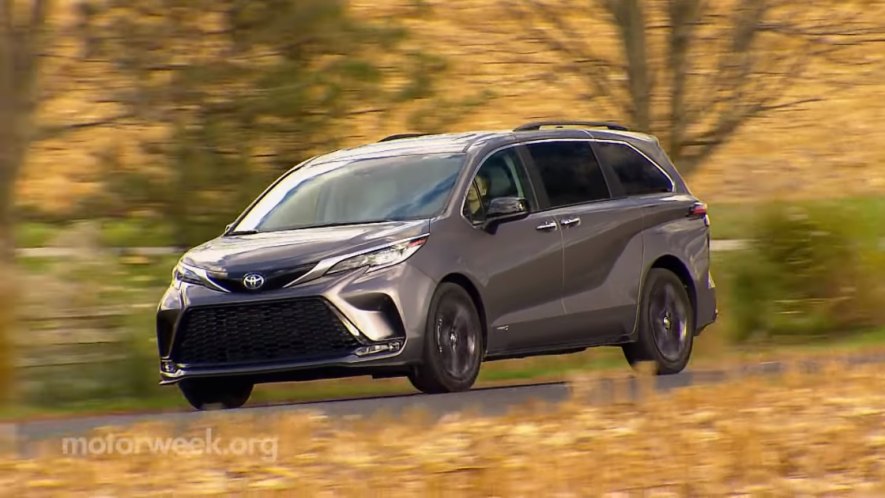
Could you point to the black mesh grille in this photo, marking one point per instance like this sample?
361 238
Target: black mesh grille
261 332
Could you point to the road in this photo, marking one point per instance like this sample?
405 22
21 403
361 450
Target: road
483 401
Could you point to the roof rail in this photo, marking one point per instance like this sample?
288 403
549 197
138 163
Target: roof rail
400 136
537 125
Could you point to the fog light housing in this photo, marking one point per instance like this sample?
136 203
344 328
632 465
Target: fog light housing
166 366
385 347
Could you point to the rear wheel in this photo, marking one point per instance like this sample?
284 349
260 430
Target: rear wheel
453 345
204 393
666 324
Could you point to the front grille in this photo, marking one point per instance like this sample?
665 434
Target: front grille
298 329
273 280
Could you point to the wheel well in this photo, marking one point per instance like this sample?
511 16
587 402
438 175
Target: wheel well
467 285
677 267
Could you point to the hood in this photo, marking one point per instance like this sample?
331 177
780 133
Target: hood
288 249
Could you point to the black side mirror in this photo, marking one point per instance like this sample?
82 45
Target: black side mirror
504 209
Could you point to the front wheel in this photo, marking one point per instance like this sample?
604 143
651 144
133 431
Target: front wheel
453 345
203 393
666 324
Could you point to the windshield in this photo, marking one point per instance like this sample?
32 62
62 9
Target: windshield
356 191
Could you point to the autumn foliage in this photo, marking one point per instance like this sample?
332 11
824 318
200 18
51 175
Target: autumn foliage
803 433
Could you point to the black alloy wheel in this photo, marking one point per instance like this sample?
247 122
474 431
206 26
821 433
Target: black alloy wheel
453 343
666 324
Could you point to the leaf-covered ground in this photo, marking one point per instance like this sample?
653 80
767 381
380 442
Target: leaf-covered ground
801 434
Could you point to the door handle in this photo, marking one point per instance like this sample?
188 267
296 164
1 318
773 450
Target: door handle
547 227
570 222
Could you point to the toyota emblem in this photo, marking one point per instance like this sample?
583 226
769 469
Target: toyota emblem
253 281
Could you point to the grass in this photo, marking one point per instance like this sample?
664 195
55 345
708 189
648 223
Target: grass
798 434
735 221
112 232
135 272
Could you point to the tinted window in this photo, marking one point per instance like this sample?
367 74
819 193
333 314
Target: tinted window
569 171
500 176
637 174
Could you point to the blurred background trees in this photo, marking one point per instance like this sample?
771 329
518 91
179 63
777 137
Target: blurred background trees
232 93
138 103
694 71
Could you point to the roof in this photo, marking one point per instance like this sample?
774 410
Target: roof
454 143
425 144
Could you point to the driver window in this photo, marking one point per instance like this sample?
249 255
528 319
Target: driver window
500 176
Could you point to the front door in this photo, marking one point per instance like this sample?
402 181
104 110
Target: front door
520 262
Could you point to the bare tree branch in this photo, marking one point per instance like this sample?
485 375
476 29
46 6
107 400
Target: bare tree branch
569 42
51 131
762 49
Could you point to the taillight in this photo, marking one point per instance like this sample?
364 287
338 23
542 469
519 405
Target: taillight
699 210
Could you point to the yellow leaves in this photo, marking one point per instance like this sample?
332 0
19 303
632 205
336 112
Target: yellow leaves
46 483
819 433
876 440
524 431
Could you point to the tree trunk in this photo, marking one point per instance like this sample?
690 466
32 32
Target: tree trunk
630 20
20 51
13 145
683 16
11 159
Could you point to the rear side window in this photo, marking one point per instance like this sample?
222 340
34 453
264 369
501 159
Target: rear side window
569 172
637 175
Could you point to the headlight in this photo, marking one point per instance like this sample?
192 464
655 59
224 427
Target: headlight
381 258
192 275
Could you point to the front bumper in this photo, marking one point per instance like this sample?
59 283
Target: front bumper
385 311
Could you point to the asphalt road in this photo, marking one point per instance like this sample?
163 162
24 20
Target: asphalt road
482 401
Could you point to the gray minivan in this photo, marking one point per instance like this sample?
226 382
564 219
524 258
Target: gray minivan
424 255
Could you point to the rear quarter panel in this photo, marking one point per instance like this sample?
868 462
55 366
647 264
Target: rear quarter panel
670 232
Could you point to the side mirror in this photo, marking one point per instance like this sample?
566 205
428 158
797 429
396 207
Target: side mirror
504 209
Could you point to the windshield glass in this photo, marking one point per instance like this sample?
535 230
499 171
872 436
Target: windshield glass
356 191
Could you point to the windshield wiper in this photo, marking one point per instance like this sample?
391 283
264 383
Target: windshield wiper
243 232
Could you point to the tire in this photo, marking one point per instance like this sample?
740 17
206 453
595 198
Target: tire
203 393
666 324
453 343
